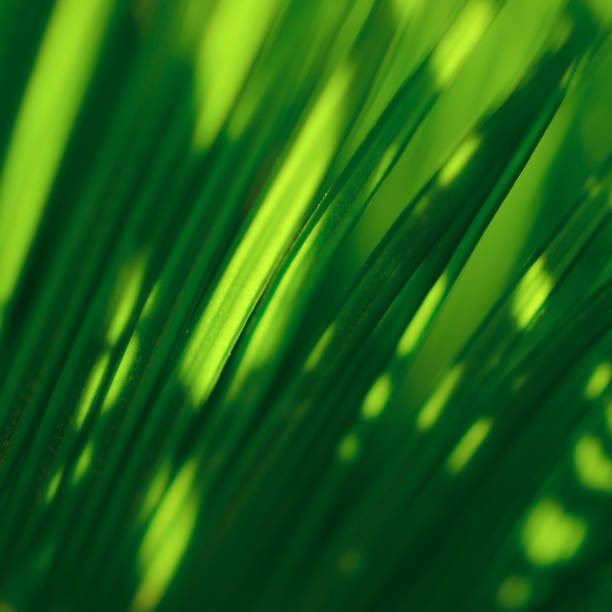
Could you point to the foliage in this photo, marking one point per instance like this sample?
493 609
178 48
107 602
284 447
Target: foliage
305 305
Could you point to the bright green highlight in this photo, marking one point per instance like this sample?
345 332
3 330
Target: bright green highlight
223 61
593 466
348 447
53 485
83 463
550 535
151 301
459 160
377 397
91 386
121 375
414 332
436 403
461 40
531 293
599 380
320 347
468 445
167 538
407 8
127 290
155 491
265 239
514 592
63 67
269 332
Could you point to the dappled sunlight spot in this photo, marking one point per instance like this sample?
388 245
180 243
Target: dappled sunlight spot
514 592
531 293
167 510
406 8
431 411
53 486
462 37
216 89
377 397
459 160
90 389
127 290
348 448
155 491
83 463
383 165
318 351
350 561
550 535
422 205
58 81
270 330
151 300
166 538
422 318
593 466
599 380
265 239
121 374
468 445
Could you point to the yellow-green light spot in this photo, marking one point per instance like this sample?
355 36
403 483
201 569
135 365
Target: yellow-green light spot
52 97
53 485
127 290
383 165
269 332
550 535
593 466
120 377
155 491
406 8
437 401
166 539
216 89
377 397
531 293
266 238
599 381
348 448
468 445
91 386
514 592
422 317
459 160
151 300
460 40
318 351
83 462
